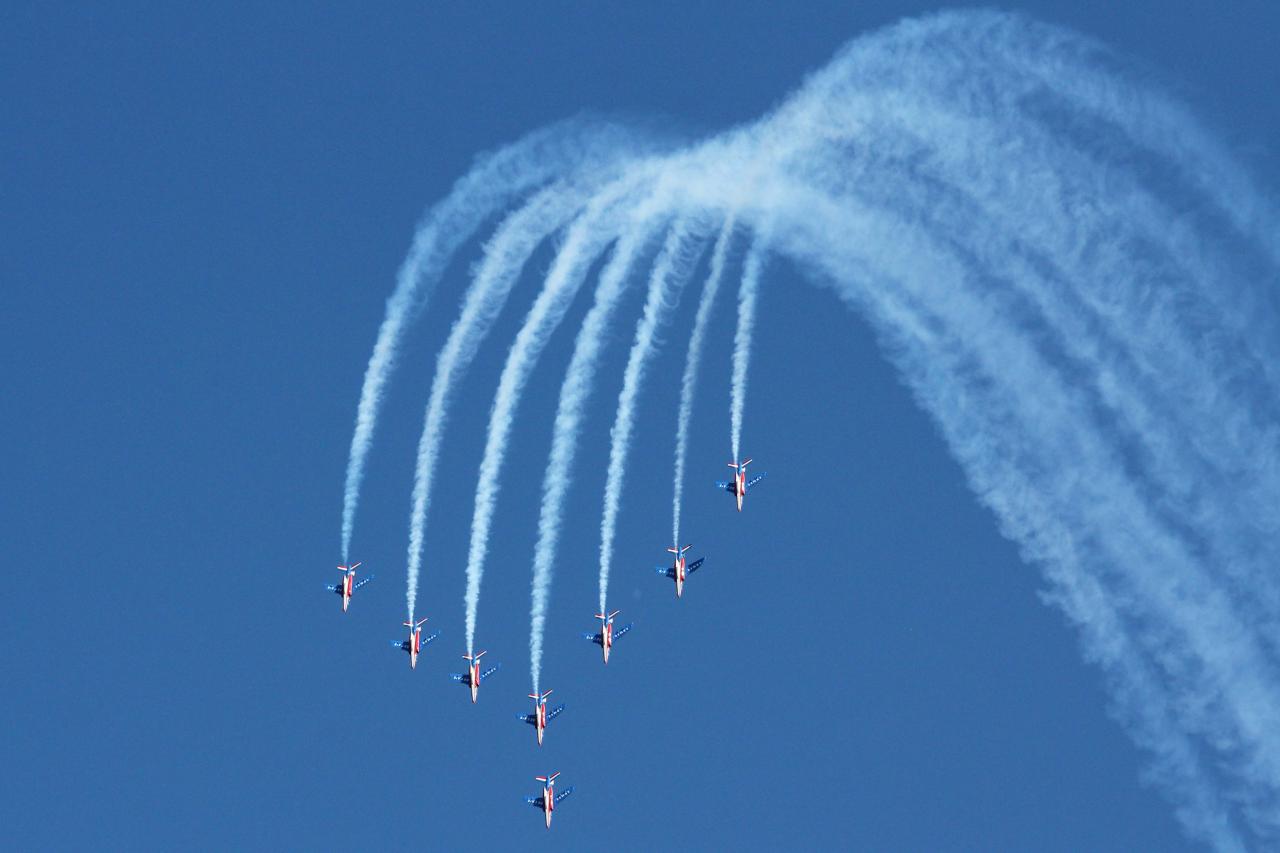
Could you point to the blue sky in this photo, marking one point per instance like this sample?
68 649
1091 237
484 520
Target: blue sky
204 215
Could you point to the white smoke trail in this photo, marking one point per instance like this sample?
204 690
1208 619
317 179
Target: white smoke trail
1085 306
664 290
505 255
587 237
689 380
574 392
742 342
491 185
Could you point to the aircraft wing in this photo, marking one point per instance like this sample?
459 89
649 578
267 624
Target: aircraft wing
728 486
595 638
527 718
551 715
665 572
624 629
694 566
490 671
566 792
333 587
757 478
534 801
426 640
359 584
463 677
402 645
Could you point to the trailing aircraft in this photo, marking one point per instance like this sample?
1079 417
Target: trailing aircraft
540 716
348 585
680 569
473 676
739 485
548 799
414 644
604 639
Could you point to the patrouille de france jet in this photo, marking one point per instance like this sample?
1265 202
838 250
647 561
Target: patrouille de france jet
547 801
739 485
473 676
604 639
680 568
416 641
348 585
540 716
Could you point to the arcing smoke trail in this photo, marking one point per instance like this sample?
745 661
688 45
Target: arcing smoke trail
742 342
505 255
689 380
574 393
491 185
1077 285
586 239
664 291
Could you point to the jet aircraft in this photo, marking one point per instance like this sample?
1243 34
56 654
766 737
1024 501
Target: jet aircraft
540 716
348 585
679 570
547 801
604 639
414 644
473 676
739 485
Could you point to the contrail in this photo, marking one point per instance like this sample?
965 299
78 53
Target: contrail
742 342
491 185
689 380
664 291
574 393
505 255
586 239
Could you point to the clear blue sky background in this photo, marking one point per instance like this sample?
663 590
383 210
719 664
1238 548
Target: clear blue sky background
203 215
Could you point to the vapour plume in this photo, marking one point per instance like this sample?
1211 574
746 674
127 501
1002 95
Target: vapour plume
574 394
492 184
505 255
664 292
742 343
693 360
587 238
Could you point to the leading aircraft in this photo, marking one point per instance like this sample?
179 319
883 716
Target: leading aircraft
679 570
547 801
540 716
414 644
473 676
739 485
607 634
348 585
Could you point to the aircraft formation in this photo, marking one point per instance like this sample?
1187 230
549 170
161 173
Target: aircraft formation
609 633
